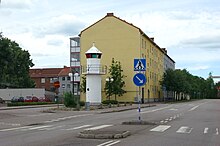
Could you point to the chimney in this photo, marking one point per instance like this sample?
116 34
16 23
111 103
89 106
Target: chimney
152 39
164 50
110 14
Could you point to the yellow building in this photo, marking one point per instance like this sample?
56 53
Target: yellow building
124 42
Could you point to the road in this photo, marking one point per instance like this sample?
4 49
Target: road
194 123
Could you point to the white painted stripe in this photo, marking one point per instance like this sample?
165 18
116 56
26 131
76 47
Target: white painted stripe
79 127
184 130
113 143
160 128
11 124
39 127
217 133
165 121
51 128
64 118
102 144
10 129
98 127
161 121
150 111
173 109
194 108
174 117
206 130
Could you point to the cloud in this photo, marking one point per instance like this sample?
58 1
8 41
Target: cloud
16 4
55 42
203 42
66 25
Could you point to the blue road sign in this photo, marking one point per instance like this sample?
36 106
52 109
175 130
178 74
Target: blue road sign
139 64
139 79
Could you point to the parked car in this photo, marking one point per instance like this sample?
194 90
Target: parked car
28 99
35 99
14 99
44 99
21 99
1 100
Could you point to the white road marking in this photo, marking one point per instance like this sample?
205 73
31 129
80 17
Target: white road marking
184 129
51 128
174 117
173 109
171 118
39 127
206 130
150 111
11 124
105 143
64 118
160 128
98 127
217 131
194 108
165 121
161 121
17 128
79 127
113 143
109 143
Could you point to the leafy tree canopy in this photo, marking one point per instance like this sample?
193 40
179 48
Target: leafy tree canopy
14 65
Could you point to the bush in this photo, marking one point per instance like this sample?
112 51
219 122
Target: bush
69 100
110 102
82 103
28 103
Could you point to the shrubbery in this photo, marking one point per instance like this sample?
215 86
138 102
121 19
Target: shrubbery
110 102
70 100
28 103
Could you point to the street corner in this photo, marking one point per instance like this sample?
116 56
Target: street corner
105 132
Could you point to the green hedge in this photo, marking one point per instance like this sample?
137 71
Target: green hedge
28 103
110 101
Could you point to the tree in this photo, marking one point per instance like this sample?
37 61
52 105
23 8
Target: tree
115 87
83 85
14 65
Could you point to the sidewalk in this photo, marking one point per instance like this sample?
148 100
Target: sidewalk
31 106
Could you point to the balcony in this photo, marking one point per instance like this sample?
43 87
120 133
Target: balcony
75 63
75 49
95 70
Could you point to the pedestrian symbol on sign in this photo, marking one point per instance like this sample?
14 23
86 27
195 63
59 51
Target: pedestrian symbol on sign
139 64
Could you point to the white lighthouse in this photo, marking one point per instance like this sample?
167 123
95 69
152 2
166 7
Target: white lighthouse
93 72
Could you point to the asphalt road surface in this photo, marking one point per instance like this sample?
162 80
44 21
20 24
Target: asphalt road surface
194 123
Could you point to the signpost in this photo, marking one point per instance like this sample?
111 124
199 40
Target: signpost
139 79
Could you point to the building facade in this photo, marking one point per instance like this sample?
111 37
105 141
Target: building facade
75 62
125 42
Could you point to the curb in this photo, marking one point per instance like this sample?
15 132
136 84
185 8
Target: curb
103 135
23 107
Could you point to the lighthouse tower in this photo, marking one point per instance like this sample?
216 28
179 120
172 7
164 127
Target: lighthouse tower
94 70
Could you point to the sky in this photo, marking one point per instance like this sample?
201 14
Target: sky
189 29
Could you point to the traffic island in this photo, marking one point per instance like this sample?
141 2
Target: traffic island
100 134
138 123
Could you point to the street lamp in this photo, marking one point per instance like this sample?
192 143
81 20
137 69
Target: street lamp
109 80
74 74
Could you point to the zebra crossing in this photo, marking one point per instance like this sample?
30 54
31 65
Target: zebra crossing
185 129
55 127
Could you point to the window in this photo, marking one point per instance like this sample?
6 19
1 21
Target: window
51 80
43 80
63 85
63 78
68 78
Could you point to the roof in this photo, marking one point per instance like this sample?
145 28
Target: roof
64 72
44 72
93 49
141 32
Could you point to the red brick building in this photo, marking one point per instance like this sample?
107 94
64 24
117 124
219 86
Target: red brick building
45 77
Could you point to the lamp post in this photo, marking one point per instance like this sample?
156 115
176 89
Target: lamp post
109 80
73 74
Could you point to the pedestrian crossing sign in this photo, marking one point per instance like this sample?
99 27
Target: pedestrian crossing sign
139 64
